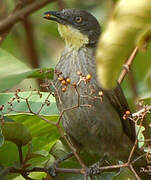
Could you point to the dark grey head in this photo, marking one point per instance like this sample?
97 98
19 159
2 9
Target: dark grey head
80 20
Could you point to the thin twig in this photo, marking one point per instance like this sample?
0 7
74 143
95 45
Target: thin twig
71 147
127 65
136 141
134 172
141 156
61 114
140 113
114 166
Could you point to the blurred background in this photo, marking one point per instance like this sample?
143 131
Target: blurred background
37 43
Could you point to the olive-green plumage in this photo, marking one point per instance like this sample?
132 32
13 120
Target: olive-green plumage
99 128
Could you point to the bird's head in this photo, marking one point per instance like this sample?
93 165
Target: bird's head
78 28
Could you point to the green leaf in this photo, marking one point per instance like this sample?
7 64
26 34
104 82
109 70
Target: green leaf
1 138
9 81
16 133
13 71
140 135
39 154
35 99
44 135
42 73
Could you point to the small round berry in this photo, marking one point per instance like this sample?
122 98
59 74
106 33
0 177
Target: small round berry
124 117
100 93
74 84
79 73
18 90
127 112
64 89
1 107
59 73
88 77
60 78
68 80
63 82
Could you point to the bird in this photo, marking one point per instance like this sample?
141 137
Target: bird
94 116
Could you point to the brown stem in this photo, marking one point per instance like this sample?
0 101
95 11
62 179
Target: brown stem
136 141
114 167
85 177
65 170
20 154
31 47
58 170
127 65
134 172
3 14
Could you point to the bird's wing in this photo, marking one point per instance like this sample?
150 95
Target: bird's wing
119 102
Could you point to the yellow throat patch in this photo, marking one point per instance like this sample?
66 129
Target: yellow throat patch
73 37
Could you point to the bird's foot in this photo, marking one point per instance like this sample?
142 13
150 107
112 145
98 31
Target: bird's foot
52 169
95 168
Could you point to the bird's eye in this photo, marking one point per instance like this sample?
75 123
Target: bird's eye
78 19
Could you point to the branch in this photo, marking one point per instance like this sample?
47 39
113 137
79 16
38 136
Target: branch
20 4
127 65
21 14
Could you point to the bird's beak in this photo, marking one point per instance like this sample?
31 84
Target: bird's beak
54 16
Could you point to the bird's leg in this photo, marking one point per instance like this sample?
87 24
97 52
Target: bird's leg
94 169
52 168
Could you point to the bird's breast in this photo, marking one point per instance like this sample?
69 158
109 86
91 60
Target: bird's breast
87 117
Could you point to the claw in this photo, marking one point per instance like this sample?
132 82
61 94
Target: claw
95 168
52 170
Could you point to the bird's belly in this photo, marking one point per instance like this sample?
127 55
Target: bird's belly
89 120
